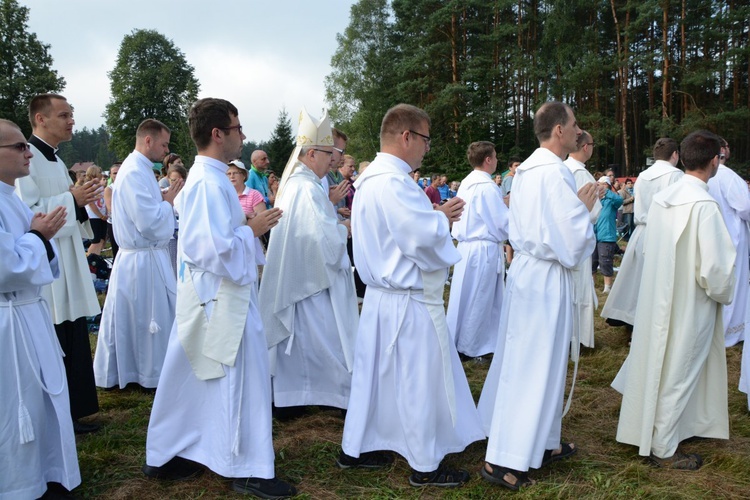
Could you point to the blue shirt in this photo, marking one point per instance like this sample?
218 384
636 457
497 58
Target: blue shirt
258 181
606 229
444 191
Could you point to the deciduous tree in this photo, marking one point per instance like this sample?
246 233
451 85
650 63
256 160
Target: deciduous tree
25 65
151 79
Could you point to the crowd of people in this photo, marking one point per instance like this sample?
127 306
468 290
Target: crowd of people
244 297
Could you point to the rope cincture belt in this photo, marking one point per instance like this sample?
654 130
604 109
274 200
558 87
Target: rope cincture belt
25 425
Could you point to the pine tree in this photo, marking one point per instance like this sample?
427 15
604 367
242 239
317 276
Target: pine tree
281 144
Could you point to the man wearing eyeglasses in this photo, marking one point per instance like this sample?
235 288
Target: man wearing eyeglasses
71 297
139 309
409 391
332 181
307 296
583 283
730 191
38 441
213 405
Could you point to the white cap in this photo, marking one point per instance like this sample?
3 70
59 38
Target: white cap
238 164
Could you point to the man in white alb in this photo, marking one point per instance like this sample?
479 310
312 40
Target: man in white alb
550 229
409 390
477 287
730 191
38 444
71 297
585 301
213 403
623 299
139 309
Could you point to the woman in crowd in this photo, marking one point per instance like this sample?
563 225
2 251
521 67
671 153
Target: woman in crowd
108 204
273 184
172 159
252 203
176 171
250 199
97 212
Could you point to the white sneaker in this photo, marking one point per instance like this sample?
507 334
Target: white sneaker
607 289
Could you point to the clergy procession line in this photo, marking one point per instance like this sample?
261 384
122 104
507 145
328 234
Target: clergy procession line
254 313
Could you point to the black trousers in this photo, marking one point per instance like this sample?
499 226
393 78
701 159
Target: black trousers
79 367
358 283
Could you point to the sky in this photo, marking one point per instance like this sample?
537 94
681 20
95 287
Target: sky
261 55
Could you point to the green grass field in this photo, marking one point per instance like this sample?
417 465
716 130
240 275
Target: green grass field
306 450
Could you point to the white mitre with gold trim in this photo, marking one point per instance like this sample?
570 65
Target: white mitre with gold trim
310 132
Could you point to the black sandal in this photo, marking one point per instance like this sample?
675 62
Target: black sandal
442 476
566 451
499 475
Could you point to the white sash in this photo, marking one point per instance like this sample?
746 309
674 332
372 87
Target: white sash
211 343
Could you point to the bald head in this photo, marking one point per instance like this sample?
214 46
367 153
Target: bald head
260 160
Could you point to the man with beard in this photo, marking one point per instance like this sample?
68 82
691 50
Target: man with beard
139 310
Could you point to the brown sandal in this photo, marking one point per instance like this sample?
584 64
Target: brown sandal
678 461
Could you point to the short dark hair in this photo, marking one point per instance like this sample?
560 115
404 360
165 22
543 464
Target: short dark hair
514 159
402 117
698 149
582 140
338 134
478 151
152 128
41 103
207 114
665 148
547 117
435 177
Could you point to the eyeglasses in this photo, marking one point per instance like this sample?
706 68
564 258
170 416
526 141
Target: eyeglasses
324 151
592 144
426 138
238 127
21 147
341 151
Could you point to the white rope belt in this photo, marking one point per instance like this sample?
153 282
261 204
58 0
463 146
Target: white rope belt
25 425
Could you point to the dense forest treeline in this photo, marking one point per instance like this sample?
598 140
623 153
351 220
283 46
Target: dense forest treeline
633 71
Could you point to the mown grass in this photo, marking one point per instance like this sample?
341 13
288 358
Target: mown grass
306 449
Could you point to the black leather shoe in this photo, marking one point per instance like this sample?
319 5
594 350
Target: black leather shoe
264 488
369 460
177 469
81 428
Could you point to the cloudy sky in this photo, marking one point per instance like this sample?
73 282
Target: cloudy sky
259 54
